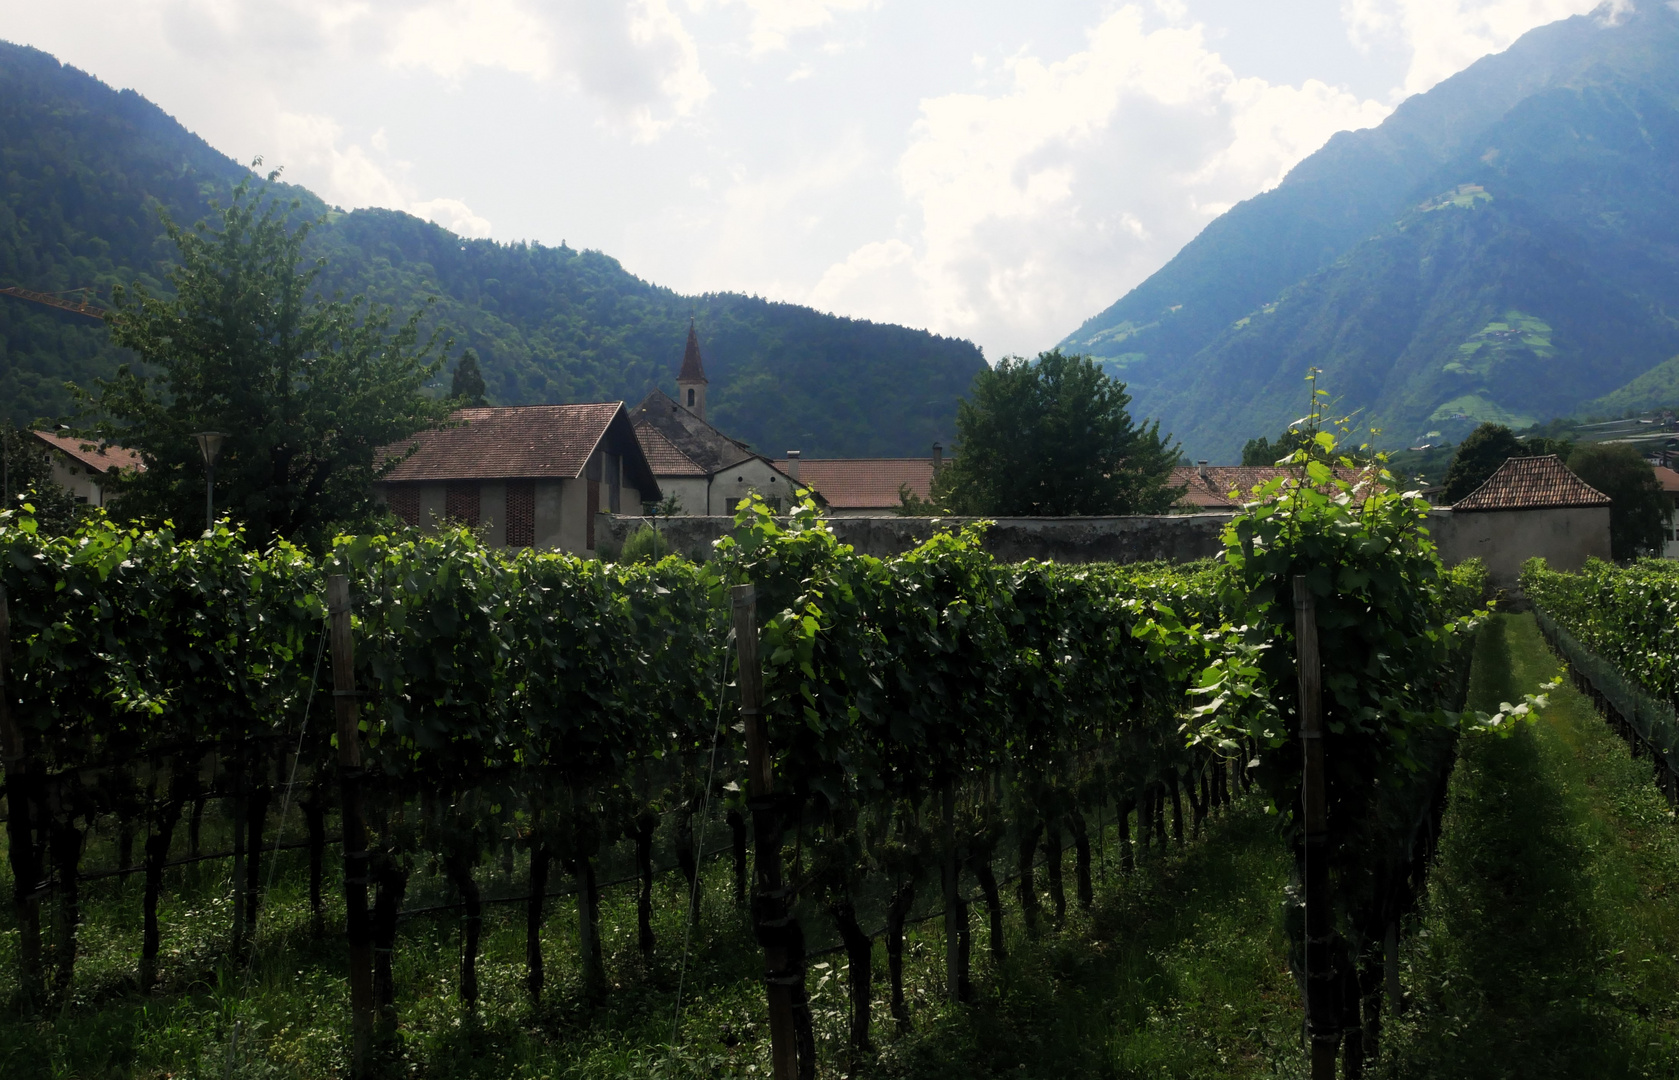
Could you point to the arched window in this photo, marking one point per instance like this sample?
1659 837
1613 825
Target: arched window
690 397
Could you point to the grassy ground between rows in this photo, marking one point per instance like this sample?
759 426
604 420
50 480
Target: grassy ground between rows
1176 971
1548 943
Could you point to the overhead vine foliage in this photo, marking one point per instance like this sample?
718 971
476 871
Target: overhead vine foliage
1394 629
930 716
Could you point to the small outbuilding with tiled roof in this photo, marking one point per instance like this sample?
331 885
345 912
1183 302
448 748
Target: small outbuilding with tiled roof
530 475
83 467
1529 507
865 487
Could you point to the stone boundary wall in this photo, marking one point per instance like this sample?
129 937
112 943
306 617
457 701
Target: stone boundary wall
1164 538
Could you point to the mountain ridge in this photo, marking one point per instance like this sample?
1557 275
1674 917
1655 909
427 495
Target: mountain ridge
1388 298
84 169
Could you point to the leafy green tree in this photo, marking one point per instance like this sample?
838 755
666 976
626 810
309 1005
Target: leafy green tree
1262 451
1638 509
306 388
1053 437
1478 457
467 387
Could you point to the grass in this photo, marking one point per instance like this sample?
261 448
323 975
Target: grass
1548 945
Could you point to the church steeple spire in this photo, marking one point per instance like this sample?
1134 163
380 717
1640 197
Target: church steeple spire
691 380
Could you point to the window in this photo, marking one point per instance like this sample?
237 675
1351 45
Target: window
521 513
460 504
614 481
690 397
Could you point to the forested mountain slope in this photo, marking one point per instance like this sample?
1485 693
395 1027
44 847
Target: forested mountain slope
1504 247
84 170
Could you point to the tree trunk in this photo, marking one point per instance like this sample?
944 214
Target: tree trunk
688 859
1028 884
390 882
125 850
993 904
859 956
314 820
644 895
1199 803
1081 860
1145 820
1390 969
458 866
1052 869
737 835
25 836
195 825
896 912
67 841
533 920
588 927
1160 815
256 818
955 911
236 813
157 853
1177 810
1127 856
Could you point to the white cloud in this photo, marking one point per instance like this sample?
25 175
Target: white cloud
1040 204
451 36
775 22
1446 36
350 177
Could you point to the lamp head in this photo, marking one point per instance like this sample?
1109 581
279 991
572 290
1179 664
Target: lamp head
210 444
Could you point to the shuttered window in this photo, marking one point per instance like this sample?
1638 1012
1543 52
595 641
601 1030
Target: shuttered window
404 503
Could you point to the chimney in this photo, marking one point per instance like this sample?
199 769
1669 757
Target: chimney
1201 468
938 458
793 464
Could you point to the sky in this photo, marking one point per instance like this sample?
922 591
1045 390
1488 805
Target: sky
988 169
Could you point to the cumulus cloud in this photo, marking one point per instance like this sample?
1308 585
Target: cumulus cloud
1446 36
1039 205
351 177
775 22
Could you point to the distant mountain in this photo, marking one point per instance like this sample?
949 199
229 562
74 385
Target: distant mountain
1504 247
84 170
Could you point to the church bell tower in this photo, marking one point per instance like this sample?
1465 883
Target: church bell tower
691 381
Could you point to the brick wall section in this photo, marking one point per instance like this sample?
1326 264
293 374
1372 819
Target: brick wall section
460 503
404 502
521 513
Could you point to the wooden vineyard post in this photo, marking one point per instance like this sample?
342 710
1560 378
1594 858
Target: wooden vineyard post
1322 1025
770 914
20 814
358 929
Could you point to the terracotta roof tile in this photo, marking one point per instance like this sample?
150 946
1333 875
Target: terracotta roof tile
864 483
698 441
1668 479
1213 493
90 452
1531 483
525 442
662 454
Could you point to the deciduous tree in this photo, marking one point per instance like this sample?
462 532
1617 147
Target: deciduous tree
306 387
1054 437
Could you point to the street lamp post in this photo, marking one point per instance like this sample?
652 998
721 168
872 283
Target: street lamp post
210 444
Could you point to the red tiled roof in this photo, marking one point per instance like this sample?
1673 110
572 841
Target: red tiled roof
524 442
90 452
662 454
692 369
864 483
1213 493
1668 479
1531 483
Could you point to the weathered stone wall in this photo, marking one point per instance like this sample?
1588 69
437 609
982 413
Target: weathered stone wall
1505 539
1168 538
